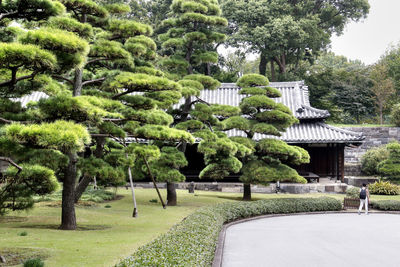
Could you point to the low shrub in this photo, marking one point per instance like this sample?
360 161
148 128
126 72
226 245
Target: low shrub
391 205
371 159
383 188
193 241
353 192
24 233
91 195
34 263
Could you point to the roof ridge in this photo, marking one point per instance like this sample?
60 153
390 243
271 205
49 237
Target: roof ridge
360 135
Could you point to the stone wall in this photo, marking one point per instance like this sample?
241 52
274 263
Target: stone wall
271 189
374 137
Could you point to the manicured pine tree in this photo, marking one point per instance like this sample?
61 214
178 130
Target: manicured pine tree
189 47
260 114
138 116
25 67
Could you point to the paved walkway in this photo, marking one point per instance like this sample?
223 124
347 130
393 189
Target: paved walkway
336 240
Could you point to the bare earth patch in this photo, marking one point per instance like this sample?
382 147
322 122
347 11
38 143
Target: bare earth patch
16 256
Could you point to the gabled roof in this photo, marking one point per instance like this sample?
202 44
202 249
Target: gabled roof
310 132
294 96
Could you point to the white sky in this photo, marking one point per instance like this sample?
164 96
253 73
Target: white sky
368 40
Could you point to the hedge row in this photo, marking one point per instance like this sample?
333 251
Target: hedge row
391 205
193 241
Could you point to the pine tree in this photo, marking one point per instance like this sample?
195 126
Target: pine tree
260 114
107 87
192 33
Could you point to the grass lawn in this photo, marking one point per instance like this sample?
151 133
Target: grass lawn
107 235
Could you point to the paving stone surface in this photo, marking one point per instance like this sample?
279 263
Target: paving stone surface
315 240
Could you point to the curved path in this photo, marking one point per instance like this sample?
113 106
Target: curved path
335 240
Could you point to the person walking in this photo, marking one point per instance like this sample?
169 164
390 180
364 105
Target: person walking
364 198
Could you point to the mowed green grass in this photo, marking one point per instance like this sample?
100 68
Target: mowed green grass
116 234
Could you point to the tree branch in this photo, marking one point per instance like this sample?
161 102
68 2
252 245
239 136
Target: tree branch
62 78
93 81
3 15
11 162
15 80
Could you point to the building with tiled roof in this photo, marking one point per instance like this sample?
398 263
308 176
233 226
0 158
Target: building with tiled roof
325 143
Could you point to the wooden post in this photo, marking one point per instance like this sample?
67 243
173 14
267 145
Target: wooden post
154 182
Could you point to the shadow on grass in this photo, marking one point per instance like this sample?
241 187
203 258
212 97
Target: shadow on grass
12 219
15 256
79 227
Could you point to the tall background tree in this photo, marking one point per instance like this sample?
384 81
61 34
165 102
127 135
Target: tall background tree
284 33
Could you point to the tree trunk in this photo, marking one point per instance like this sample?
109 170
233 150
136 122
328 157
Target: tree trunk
100 142
273 76
171 194
246 192
83 184
381 113
68 219
262 67
282 67
78 82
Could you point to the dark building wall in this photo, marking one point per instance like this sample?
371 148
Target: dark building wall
326 161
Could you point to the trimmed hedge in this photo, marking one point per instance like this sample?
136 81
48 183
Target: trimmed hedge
193 241
383 188
391 205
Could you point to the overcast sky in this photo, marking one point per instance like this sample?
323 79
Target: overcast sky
368 40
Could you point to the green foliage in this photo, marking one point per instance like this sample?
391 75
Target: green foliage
388 205
383 188
166 168
252 80
80 109
288 32
85 7
19 186
68 47
192 242
395 115
24 233
30 56
390 168
371 159
123 28
61 135
83 30
34 263
33 10
353 192
159 132
207 81
139 82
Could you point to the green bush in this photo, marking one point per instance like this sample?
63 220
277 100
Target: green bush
193 241
383 188
353 192
395 115
371 159
391 205
34 263
24 233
